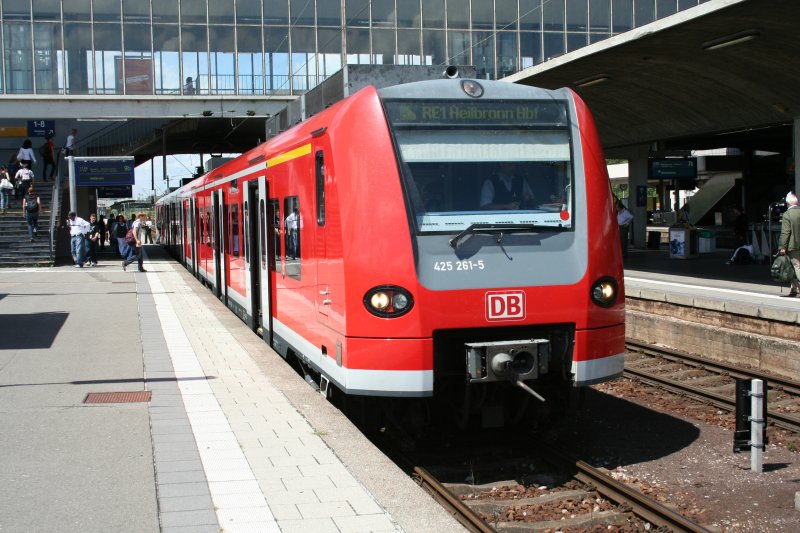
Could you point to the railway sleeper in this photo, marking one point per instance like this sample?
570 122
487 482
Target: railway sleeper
490 507
585 521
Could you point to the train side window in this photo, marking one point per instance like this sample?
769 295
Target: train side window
235 229
293 225
275 214
320 175
262 233
225 232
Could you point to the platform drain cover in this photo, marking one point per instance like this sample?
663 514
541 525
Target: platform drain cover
118 397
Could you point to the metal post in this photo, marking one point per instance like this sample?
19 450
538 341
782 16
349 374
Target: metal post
757 423
73 192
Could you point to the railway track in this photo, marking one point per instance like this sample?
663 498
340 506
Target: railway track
585 499
710 381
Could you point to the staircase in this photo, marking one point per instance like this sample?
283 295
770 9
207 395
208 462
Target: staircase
16 250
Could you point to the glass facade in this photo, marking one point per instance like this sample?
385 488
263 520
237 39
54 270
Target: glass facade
262 47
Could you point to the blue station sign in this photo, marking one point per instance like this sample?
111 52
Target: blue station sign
99 173
41 128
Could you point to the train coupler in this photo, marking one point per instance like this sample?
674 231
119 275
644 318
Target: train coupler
515 361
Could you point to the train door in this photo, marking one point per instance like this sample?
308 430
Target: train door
218 213
323 266
191 235
264 251
250 240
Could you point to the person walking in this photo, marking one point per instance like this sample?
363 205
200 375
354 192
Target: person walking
6 186
138 236
25 154
23 178
31 205
69 146
48 153
789 242
78 228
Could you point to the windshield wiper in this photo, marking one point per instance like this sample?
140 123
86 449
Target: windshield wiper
495 228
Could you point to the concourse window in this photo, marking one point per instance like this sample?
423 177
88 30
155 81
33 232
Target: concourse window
249 61
167 64
276 46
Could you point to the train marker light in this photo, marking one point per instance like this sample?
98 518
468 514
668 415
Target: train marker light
472 88
388 301
604 292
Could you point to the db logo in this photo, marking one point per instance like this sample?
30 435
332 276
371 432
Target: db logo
507 305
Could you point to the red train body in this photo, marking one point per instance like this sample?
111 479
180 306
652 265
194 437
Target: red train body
405 276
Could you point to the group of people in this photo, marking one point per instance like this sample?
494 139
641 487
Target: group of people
126 238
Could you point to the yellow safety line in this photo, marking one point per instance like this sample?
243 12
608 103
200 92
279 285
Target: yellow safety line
288 156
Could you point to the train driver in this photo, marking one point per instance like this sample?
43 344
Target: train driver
505 190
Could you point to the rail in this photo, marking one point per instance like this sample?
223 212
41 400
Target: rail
727 403
452 503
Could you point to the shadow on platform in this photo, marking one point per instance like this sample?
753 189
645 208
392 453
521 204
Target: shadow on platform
34 331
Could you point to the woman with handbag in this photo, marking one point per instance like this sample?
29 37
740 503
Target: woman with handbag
5 188
25 154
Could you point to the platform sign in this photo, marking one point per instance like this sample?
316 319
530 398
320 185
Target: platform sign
41 128
89 173
120 191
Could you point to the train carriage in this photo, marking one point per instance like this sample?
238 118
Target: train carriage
446 238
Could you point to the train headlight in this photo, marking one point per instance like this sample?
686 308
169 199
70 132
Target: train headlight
388 301
604 292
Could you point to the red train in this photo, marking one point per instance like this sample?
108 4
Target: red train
451 238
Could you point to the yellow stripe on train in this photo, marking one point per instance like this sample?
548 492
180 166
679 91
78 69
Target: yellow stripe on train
288 156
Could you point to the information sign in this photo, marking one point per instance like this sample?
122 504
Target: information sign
97 173
120 191
41 128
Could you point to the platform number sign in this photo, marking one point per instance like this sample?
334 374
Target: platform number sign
41 128
505 305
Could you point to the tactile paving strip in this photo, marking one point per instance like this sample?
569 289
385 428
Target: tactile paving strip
118 397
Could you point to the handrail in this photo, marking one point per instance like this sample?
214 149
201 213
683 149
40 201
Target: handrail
55 208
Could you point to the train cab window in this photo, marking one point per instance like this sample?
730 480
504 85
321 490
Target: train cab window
235 225
491 162
277 229
319 167
293 225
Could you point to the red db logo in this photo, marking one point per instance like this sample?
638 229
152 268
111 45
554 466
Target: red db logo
507 305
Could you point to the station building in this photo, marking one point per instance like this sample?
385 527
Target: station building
149 78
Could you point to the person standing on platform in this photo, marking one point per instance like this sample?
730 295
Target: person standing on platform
78 228
740 226
624 218
138 235
31 205
789 243
93 239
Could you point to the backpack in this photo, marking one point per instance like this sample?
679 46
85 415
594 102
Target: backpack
31 206
129 238
43 150
782 269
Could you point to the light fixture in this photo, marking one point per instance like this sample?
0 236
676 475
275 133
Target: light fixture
730 40
591 80
250 113
207 113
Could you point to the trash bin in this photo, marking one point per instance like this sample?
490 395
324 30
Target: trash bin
679 243
653 240
706 241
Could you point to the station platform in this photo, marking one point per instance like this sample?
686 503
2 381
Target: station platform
199 426
708 281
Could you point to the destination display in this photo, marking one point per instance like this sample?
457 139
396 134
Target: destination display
465 112
120 191
97 173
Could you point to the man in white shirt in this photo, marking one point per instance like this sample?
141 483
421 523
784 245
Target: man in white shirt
292 225
78 228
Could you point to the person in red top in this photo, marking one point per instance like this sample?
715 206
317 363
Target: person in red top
48 153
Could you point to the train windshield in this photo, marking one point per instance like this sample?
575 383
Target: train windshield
484 162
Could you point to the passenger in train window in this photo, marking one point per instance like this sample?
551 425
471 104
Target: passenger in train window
505 190
790 240
292 225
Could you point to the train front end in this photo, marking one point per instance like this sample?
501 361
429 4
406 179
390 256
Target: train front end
518 277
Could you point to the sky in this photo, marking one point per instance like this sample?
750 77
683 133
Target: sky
178 167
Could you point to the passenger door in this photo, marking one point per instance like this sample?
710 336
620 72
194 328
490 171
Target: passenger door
220 234
323 265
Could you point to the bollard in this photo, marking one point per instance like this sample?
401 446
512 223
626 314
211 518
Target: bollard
757 425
